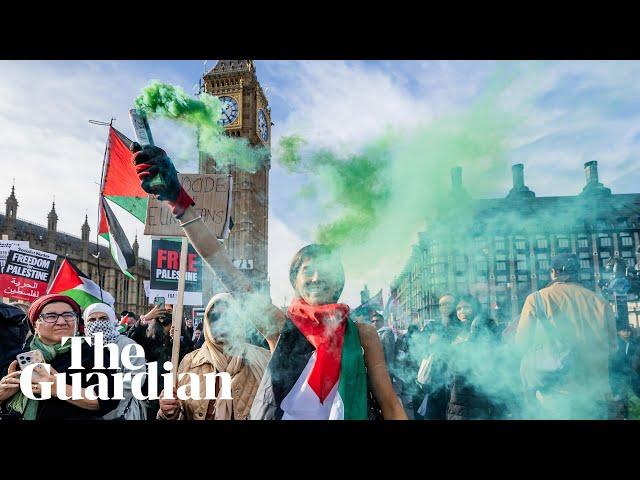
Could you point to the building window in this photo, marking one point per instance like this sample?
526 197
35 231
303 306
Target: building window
563 243
520 244
605 254
604 262
499 244
501 266
543 264
523 278
605 242
630 262
627 253
585 276
583 243
542 243
584 255
501 278
585 264
521 266
627 241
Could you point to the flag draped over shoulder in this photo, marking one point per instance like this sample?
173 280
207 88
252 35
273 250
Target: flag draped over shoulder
110 229
72 282
121 184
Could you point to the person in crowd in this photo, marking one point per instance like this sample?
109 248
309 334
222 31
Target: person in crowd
624 374
100 317
14 331
127 320
387 338
405 365
52 317
432 396
321 360
198 337
224 350
567 325
469 367
188 329
154 333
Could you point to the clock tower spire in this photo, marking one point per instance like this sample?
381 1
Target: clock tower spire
245 113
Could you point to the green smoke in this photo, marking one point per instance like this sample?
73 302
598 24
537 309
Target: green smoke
171 102
378 198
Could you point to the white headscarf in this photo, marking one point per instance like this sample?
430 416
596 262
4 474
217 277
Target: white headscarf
109 328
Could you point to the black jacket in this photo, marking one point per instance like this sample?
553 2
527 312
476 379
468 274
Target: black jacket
468 400
56 409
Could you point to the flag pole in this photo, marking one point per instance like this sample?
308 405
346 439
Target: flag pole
177 311
100 200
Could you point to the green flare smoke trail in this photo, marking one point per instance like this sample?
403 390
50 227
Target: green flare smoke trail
171 102
380 196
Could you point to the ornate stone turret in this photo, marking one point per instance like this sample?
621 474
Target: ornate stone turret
52 219
135 246
85 229
12 205
11 213
52 227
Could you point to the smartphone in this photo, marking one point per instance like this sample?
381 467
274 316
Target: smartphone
159 302
27 358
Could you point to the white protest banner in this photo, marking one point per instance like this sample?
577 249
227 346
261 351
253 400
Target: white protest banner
5 246
26 273
212 196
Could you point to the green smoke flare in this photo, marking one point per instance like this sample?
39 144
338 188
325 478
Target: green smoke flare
167 101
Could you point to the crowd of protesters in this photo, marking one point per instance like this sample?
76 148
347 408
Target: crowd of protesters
561 358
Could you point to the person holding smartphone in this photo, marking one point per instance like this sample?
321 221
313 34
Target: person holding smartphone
52 317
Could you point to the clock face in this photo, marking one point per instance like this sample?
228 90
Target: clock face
263 128
228 111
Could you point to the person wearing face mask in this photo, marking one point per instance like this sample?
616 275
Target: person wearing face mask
52 317
223 351
101 318
323 365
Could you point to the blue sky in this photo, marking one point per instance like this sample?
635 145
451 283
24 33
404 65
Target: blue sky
571 113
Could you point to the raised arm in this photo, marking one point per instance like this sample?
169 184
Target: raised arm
151 160
378 374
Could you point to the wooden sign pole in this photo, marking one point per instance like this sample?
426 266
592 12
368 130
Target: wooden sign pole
5 299
178 309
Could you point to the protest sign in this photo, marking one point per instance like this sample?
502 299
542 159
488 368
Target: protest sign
5 246
26 273
212 195
165 272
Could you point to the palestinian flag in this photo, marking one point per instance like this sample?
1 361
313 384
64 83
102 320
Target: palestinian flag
72 282
120 183
287 390
110 229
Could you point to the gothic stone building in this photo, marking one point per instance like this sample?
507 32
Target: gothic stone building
246 114
129 294
500 249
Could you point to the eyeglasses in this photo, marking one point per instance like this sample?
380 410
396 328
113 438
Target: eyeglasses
53 317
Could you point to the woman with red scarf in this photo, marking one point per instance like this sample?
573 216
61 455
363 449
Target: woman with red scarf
323 366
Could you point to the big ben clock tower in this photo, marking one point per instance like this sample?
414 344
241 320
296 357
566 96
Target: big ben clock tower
245 113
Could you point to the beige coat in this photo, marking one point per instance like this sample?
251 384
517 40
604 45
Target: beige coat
243 392
581 320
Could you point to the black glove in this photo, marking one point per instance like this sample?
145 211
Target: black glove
151 161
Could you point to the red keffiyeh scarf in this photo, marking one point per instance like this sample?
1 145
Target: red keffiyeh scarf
323 326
